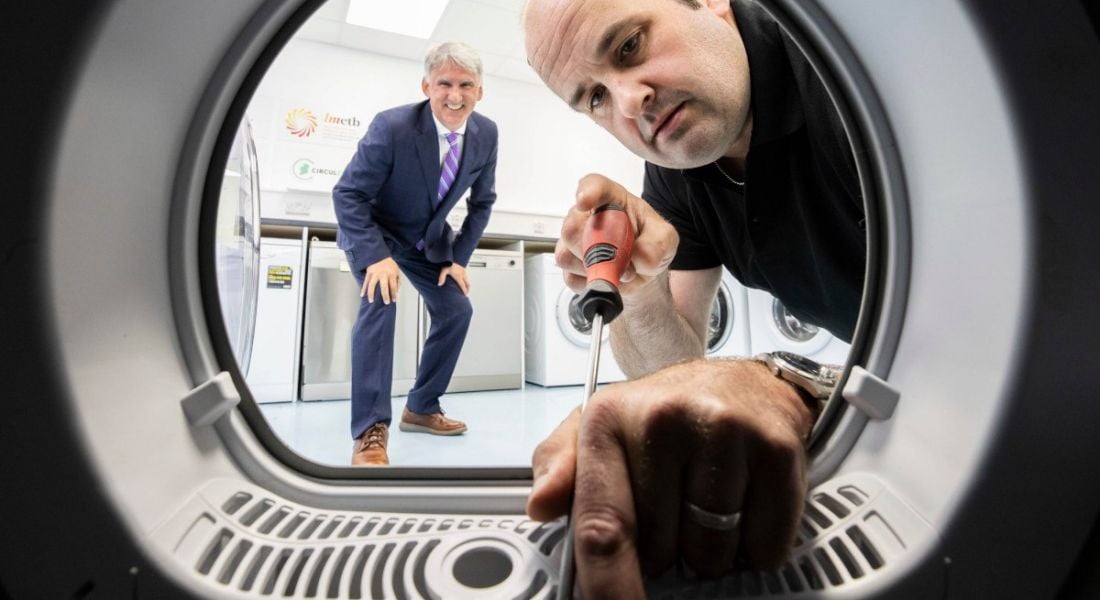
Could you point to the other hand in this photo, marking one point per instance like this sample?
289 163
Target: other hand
724 435
458 273
655 240
385 275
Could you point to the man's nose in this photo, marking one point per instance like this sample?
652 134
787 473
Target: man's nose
631 96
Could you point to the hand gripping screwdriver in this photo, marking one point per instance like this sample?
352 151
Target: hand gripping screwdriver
607 241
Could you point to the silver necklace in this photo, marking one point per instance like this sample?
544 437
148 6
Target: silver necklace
728 178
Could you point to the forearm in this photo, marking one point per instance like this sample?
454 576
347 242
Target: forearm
651 334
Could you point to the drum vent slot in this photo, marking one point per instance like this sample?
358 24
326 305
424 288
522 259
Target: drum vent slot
235 502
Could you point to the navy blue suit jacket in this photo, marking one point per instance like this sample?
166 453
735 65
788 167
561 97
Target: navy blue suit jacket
385 200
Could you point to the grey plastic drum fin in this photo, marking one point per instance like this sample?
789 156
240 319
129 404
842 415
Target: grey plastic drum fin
208 402
871 395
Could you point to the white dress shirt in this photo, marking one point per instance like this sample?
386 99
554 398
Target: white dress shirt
441 134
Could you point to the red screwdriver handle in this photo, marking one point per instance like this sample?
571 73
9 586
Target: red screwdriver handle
607 241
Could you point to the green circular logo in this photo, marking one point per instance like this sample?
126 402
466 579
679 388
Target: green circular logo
303 168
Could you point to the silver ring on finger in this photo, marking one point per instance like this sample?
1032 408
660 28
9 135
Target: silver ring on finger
715 521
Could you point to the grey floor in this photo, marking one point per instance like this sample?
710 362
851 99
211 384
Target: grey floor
504 428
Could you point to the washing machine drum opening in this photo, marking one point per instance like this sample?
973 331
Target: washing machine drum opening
721 319
571 320
790 326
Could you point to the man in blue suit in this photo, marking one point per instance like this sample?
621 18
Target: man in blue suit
410 169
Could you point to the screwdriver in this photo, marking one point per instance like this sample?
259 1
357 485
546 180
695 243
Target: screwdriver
607 241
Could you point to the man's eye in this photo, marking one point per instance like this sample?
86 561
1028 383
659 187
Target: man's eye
630 46
596 98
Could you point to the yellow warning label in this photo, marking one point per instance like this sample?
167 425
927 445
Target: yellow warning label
279 277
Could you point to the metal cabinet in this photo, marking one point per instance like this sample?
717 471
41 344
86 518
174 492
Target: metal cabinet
332 303
492 357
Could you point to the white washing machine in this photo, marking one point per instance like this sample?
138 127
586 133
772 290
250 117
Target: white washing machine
728 327
556 335
273 372
772 327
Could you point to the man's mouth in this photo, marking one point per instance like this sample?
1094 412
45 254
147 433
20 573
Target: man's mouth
455 106
666 122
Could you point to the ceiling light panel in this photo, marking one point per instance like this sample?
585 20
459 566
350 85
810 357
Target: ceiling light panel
414 18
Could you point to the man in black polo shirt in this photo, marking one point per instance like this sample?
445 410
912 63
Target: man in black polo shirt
748 169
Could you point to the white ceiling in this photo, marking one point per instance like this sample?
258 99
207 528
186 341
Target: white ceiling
490 26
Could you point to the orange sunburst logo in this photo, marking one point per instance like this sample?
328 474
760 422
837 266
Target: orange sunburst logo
300 122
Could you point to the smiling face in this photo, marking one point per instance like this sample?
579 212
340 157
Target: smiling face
452 93
669 81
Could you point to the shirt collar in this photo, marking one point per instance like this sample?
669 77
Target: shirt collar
441 129
776 105
775 102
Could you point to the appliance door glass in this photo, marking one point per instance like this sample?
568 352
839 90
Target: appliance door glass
237 244
721 320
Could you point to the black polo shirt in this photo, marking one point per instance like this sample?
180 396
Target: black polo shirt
796 227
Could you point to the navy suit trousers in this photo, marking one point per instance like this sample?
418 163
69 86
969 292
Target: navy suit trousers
372 344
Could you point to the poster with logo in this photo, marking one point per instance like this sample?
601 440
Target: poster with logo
307 168
310 124
308 145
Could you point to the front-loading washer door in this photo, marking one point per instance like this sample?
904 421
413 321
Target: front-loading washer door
722 317
571 321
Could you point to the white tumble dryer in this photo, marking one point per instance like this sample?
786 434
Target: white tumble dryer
557 335
728 325
773 327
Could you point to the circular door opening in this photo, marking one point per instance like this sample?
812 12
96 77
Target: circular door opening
722 316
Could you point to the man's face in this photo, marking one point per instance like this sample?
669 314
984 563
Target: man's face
668 81
452 93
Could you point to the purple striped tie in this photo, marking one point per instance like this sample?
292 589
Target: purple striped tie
449 170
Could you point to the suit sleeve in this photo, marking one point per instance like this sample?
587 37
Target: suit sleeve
357 191
483 193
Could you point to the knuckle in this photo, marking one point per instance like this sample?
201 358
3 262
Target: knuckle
602 531
572 227
780 445
664 418
543 453
601 408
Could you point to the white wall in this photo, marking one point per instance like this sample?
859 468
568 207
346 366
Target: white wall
544 146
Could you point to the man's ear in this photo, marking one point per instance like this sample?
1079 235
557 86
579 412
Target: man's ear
424 86
480 92
721 8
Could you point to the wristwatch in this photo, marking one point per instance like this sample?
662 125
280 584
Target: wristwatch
814 382
815 379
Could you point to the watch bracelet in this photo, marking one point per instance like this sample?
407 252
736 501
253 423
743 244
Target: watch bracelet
815 405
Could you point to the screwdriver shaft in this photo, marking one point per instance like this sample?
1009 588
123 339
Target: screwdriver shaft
565 583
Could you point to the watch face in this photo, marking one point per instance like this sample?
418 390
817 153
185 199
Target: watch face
799 363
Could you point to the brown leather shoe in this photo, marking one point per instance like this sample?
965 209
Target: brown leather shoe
370 448
435 423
